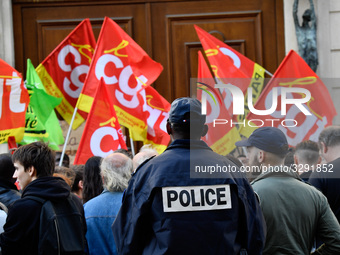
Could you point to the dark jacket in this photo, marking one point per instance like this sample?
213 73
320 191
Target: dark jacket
22 224
326 178
294 213
8 192
144 224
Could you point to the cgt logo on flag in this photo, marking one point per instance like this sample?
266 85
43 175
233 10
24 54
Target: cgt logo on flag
295 100
297 97
126 70
102 134
107 128
64 70
14 100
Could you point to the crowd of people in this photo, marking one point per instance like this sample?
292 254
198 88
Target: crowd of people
157 204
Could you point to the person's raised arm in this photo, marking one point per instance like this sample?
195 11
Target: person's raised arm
295 11
313 17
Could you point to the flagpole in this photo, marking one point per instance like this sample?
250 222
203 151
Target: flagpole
269 73
132 145
68 136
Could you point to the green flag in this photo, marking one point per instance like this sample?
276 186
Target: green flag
41 121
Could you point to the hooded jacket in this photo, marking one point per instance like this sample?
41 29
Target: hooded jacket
22 224
8 192
184 224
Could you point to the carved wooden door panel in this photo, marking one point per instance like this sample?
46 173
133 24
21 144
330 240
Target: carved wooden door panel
39 28
163 28
252 27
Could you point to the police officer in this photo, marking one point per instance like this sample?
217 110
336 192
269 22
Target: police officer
170 208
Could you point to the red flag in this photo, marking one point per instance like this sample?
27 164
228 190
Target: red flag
218 52
14 100
12 145
158 108
63 72
304 117
220 138
126 69
227 63
221 64
102 133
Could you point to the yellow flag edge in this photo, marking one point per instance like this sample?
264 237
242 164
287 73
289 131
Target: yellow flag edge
226 144
18 133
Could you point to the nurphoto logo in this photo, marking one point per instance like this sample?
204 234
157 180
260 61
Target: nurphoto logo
281 104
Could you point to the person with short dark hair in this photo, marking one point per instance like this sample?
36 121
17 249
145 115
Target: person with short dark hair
66 159
327 177
8 191
34 166
166 209
306 158
294 211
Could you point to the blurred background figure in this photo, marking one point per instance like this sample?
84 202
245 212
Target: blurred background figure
145 152
78 184
8 191
306 158
101 211
244 160
235 160
66 173
327 178
92 184
66 159
289 158
125 152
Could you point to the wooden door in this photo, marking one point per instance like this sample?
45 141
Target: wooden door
249 26
163 28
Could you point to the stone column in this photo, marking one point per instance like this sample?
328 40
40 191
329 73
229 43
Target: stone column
6 32
6 41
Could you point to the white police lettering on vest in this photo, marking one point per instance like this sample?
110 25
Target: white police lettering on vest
196 198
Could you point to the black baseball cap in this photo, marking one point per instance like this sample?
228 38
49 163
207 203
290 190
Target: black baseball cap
181 106
269 139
